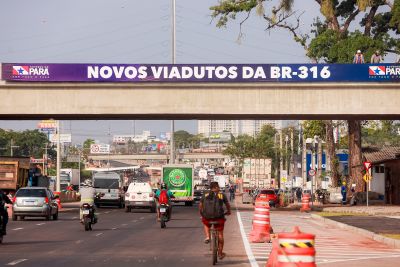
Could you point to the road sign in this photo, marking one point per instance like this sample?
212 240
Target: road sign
64 138
311 172
47 124
367 177
284 176
99 149
367 165
36 161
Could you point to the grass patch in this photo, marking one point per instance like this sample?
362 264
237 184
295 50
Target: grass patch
331 214
394 236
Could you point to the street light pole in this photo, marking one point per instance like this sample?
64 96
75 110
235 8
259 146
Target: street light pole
172 143
58 188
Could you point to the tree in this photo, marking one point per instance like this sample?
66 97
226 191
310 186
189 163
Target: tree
86 147
347 25
182 139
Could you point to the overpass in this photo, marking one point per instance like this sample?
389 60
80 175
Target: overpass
265 91
200 157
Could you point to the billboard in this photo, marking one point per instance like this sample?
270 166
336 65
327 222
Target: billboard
222 137
99 149
50 72
179 180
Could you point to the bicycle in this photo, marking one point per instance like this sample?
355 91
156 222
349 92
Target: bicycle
214 242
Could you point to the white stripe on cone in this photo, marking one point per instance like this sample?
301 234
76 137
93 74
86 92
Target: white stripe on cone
295 258
261 215
261 222
261 209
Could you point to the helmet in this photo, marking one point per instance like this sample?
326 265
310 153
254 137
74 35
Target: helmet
344 183
163 186
358 51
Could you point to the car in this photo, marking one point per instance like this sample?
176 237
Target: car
140 195
199 191
34 202
270 195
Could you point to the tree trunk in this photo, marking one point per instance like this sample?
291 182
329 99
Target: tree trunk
331 158
355 156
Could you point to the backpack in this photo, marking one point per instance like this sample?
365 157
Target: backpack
163 198
213 206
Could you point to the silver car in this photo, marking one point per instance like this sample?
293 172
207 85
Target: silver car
35 202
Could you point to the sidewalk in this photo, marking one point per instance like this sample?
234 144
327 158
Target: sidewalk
371 210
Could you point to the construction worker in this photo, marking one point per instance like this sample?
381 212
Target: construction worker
344 193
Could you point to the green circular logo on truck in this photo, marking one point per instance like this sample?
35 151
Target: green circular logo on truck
177 177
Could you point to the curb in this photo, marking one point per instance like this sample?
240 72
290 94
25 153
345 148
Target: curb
393 243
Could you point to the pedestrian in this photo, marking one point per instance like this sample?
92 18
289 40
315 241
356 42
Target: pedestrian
376 57
298 194
344 193
231 193
358 58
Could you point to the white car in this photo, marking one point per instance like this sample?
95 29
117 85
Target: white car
139 195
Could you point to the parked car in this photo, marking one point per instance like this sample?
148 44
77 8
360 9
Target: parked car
139 195
270 195
199 191
35 202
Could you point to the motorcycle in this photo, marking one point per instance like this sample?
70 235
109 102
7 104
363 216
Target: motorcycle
87 216
164 214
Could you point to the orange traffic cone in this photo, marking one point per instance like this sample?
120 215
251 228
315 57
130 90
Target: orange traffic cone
261 223
272 259
305 203
296 249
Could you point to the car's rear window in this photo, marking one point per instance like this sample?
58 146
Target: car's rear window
267 192
31 193
139 187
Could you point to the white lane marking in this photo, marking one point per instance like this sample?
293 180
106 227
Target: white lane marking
366 258
16 262
99 234
16 229
114 228
141 218
124 224
107 212
246 243
73 218
79 241
134 221
39 224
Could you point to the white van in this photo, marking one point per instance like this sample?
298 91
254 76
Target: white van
139 195
109 184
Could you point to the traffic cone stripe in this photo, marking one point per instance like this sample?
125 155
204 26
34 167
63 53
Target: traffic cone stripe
261 209
296 258
297 245
260 222
261 215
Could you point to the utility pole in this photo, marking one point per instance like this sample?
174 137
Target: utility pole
12 147
280 156
172 143
58 188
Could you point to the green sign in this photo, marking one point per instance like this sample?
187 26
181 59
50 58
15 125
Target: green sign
179 180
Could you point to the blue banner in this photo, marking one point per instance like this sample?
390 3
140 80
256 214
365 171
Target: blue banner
238 73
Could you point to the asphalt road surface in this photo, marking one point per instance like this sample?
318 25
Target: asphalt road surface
118 239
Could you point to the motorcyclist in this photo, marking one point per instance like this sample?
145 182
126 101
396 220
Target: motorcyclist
88 194
3 210
169 195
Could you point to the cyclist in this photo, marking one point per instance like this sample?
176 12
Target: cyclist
163 196
211 209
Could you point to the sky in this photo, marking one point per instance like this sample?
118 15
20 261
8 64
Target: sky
133 31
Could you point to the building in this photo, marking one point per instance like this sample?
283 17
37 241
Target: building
207 127
236 127
385 172
124 139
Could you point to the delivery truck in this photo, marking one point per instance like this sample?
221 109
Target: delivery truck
179 179
14 173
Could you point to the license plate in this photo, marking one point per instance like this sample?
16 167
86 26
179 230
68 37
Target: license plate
139 202
86 212
29 202
163 209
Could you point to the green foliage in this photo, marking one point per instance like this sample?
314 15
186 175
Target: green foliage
395 19
29 143
227 9
314 128
381 133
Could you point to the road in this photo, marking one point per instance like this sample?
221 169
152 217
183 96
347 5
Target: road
119 239
334 247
